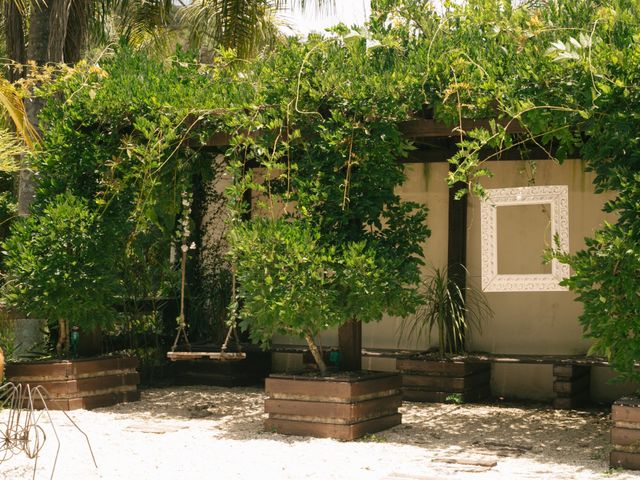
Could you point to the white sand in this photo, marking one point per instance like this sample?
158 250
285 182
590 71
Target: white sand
210 432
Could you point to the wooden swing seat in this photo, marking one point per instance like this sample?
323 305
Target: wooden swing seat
220 356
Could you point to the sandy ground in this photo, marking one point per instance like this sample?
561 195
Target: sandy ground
210 432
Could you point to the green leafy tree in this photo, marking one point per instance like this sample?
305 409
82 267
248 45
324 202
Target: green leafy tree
60 267
338 244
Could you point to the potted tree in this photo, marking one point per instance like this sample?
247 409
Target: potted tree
330 242
318 257
293 284
452 312
60 266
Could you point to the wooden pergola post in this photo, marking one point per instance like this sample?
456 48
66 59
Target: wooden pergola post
457 236
350 346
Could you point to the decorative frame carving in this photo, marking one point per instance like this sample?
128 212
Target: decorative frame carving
558 197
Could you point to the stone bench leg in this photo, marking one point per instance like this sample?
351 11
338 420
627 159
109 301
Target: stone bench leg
571 384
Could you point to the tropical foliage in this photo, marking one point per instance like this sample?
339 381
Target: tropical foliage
62 267
568 73
316 123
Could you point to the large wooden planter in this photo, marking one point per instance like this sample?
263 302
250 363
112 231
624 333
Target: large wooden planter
625 434
345 406
84 383
427 380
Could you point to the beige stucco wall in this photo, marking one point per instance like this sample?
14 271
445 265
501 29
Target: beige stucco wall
426 184
532 322
522 322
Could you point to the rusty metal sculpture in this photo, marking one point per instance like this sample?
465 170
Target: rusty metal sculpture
21 432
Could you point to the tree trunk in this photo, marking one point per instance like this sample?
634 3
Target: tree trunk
317 356
77 32
67 338
38 51
16 49
58 23
48 24
14 38
63 340
39 31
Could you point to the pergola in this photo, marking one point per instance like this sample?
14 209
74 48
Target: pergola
435 142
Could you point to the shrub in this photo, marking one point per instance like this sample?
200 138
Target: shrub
60 266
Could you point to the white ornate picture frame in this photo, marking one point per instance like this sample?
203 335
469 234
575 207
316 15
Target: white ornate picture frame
555 196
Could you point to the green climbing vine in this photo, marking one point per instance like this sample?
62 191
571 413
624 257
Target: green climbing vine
313 140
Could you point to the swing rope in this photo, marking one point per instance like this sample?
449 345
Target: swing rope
182 329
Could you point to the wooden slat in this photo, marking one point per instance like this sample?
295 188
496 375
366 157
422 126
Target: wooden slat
419 395
430 128
628 414
570 372
571 402
572 387
442 368
224 357
438 383
411 129
626 460
425 153
327 430
332 412
336 390
539 359
627 437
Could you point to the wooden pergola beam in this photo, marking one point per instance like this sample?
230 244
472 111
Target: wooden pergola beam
411 129
430 128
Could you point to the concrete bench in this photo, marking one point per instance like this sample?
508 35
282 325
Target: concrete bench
571 373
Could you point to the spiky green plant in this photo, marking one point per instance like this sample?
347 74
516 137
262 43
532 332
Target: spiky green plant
451 310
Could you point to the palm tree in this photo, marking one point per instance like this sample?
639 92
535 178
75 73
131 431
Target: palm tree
60 30
244 25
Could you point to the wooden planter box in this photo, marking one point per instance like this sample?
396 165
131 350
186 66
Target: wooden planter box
84 383
427 380
250 371
345 406
625 434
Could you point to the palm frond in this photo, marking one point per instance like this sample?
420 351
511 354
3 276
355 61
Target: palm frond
136 22
24 5
142 21
11 149
13 105
244 25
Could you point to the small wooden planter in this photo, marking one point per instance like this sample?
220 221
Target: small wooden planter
625 434
344 407
426 380
84 383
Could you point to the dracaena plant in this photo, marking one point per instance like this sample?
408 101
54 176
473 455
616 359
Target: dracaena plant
449 309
